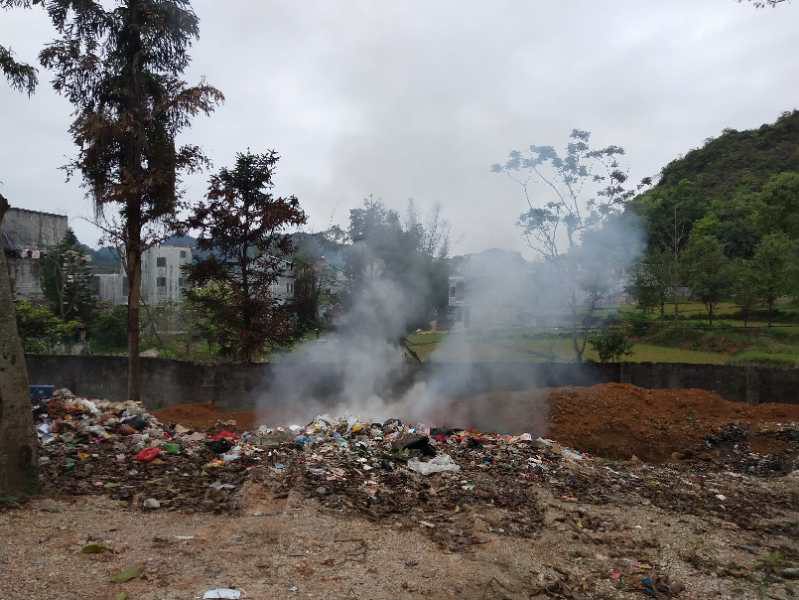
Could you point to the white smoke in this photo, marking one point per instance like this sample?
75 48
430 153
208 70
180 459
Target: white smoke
361 369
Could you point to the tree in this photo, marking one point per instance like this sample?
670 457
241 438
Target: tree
570 205
409 256
651 281
18 462
242 228
20 76
778 205
744 288
772 263
582 188
67 280
120 68
611 345
708 273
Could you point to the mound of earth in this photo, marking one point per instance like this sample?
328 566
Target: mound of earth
620 421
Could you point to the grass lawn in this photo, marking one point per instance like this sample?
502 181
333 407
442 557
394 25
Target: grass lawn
525 347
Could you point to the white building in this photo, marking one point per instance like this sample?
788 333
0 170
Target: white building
162 278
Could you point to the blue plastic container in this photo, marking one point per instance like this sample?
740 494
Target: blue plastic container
41 392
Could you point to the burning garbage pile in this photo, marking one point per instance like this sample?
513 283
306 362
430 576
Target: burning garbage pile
455 485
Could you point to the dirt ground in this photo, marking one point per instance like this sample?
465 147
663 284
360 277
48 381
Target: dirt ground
716 518
290 548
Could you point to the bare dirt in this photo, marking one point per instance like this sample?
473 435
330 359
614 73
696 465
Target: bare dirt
293 548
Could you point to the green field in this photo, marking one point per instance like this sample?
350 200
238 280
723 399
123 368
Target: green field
688 338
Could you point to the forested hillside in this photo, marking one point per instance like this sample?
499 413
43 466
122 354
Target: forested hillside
738 159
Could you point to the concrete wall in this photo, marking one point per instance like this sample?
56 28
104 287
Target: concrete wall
27 235
170 382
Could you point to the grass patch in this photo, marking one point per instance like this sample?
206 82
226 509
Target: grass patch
757 358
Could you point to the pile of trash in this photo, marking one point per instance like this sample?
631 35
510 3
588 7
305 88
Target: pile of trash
453 484
118 448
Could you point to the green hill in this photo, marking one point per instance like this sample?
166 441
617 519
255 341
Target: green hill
738 160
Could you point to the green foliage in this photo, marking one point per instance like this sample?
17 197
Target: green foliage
639 323
109 329
737 160
42 331
67 280
744 290
778 208
736 188
611 345
205 317
766 359
772 264
707 271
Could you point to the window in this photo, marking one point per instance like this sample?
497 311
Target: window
160 261
182 282
160 281
182 254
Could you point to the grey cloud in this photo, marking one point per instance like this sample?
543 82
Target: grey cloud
417 99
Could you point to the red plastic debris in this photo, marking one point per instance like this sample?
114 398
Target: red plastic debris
223 435
148 454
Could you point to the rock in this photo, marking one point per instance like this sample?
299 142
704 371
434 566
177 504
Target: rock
790 573
151 504
321 490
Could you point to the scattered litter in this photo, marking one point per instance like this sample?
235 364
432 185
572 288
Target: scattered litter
440 464
148 455
127 575
151 504
226 593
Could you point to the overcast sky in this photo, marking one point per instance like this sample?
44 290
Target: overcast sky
417 99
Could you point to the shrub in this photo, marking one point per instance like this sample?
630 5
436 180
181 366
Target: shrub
40 330
638 323
611 345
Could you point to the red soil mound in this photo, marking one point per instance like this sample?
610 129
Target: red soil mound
618 420
204 416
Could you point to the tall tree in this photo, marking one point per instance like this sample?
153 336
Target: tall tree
120 67
18 464
242 227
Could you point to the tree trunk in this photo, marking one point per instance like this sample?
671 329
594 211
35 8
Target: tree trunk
18 446
133 251
578 352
